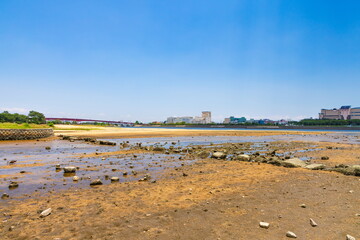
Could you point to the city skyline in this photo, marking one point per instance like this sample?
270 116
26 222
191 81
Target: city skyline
145 61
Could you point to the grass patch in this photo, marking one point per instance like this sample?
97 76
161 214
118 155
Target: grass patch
22 126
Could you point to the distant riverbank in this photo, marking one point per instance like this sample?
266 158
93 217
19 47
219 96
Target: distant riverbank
260 127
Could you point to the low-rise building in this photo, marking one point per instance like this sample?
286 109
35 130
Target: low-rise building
342 113
234 120
205 118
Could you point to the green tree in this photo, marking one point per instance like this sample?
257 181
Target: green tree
36 117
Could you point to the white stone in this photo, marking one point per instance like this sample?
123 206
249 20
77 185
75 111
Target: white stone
313 223
349 237
264 225
70 169
291 235
46 212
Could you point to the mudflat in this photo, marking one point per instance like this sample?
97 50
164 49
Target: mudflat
196 196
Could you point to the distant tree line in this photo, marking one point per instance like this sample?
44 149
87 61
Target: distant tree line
32 117
326 122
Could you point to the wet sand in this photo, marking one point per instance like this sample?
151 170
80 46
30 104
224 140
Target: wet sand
201 199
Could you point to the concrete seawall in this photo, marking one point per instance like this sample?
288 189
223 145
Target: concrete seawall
25 134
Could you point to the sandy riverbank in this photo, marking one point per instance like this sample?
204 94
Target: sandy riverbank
111 132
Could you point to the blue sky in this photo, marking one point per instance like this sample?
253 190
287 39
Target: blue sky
147 60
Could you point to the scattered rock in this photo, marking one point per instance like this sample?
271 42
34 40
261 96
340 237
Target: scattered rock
45 213
291 235
115 179
315 166
218 155
325 158
303 205
294 162
5 196
76 178
349 237
96 182
313 223
13 185
203 154
47 148
242 157
69 169
264 225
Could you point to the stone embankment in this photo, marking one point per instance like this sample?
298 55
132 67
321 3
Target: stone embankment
25 134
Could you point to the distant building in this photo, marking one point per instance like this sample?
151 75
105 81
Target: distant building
179 119
343 113
204 119
234 120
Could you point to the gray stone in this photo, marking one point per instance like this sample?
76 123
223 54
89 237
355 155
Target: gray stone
294 162
69 169
264 225
46 212
291 235
349 237
96 182
218 155
315 166
313 223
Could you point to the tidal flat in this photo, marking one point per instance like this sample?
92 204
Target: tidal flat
187 186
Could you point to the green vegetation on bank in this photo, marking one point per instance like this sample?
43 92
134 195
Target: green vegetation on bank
32 117
21 126
326 122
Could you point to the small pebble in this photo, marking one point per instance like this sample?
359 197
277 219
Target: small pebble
264 225
291 235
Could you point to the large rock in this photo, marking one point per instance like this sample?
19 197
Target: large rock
242 157
315 166
69 169
203 154
96 182
294 162
355 167
218 155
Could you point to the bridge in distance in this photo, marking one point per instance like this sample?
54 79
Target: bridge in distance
79 120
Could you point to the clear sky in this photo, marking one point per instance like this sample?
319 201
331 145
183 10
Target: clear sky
147 60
